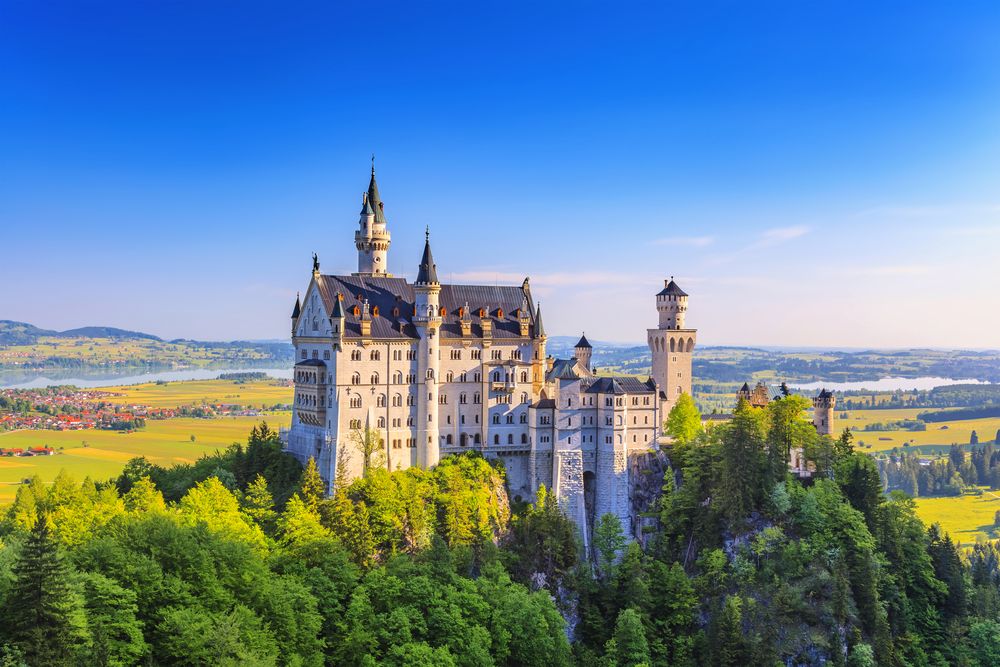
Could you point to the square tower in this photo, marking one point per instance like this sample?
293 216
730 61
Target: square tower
672 346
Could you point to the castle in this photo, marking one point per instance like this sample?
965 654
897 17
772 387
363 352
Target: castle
437 369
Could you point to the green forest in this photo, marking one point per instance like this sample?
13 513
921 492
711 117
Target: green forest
242 559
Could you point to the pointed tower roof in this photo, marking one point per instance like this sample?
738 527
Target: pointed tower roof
374 200
583 342
298 307
539 327
670 288
366 207
428 269
338 305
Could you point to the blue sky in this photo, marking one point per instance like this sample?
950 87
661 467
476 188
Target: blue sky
813 175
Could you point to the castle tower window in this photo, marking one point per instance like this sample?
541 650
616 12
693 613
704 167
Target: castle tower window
380 401
397 401
450 377
397 378
356 378
476 398
356 401
374 378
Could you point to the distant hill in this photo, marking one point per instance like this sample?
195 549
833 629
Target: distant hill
22 333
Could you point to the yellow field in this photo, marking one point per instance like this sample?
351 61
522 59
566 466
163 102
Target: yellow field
199 392
957 432
162 441
106 351
966 518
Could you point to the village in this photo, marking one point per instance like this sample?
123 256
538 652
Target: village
68 408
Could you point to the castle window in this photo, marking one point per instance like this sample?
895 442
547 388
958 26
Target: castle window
355 423
477 439
409 421
447 439
380 401
496 419
461 398
326 354
463 439
430 373
456 354
411 355
450 377
303 355
524 397
496 438
375 310
443 399
397 401
442 312
524 418
510 419
477 354
381 422
524 438
356 401
476 399
497 354
374 378
355 355
397 378
315 354
374 355
410 378
607 421
524 376
496 376
461 419
356 311
409 399
356 378
510 438
397 355
477 377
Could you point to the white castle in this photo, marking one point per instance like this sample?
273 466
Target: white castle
437 369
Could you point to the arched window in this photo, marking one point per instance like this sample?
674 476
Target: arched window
380 401
496 438
430 373
381 422
496 419
356 401
524 418
443 399
673 345
409 399
374 378
374 355
510 438
397 378
524 376
496 376
356 355
450 377
476 398
477 439
463 439
524 397
356 378
462 398
397 400
447 439
690 345
524 438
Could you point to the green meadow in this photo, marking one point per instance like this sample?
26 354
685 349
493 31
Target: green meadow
205 392
102 454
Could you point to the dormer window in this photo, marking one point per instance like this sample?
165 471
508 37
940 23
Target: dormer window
356 311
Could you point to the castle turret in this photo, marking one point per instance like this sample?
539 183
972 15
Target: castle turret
672 346
372 238
427 319
296 311
582 351
823 406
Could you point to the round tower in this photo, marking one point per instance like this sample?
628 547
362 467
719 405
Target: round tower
427 320
823 406
372 238
671 303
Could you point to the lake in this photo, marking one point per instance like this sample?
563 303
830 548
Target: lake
19 381
883 384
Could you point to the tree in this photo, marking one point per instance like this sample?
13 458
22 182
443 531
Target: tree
313 489
111 612
629 647
369 443
984 636
44 614
974 438
741 474
609 541
684 421
258 504
144 497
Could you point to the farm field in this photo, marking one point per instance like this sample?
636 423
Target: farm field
957 432
966 518
162 441
199 392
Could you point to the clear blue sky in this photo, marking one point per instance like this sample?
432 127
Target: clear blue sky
812 174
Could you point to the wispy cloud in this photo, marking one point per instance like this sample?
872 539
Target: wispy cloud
690 241
766 239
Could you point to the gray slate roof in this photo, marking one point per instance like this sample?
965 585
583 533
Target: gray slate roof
396 294
621 385
583 342
671 289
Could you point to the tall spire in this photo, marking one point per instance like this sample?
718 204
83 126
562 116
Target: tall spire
366 207
428 270
298 307
374 199
539 327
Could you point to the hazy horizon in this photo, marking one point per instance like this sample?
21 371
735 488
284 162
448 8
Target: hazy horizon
818 177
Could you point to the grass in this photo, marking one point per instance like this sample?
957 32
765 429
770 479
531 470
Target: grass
198 392
164 442
957 432
109 352
966 518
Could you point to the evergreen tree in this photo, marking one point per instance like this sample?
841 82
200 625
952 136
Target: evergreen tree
629 647
740 476
44 614
258 504
312 490
684 421
609 541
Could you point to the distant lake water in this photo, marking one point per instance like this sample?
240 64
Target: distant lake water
110 379
883 384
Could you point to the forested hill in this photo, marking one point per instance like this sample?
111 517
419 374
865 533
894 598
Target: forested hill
22 333
239 558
